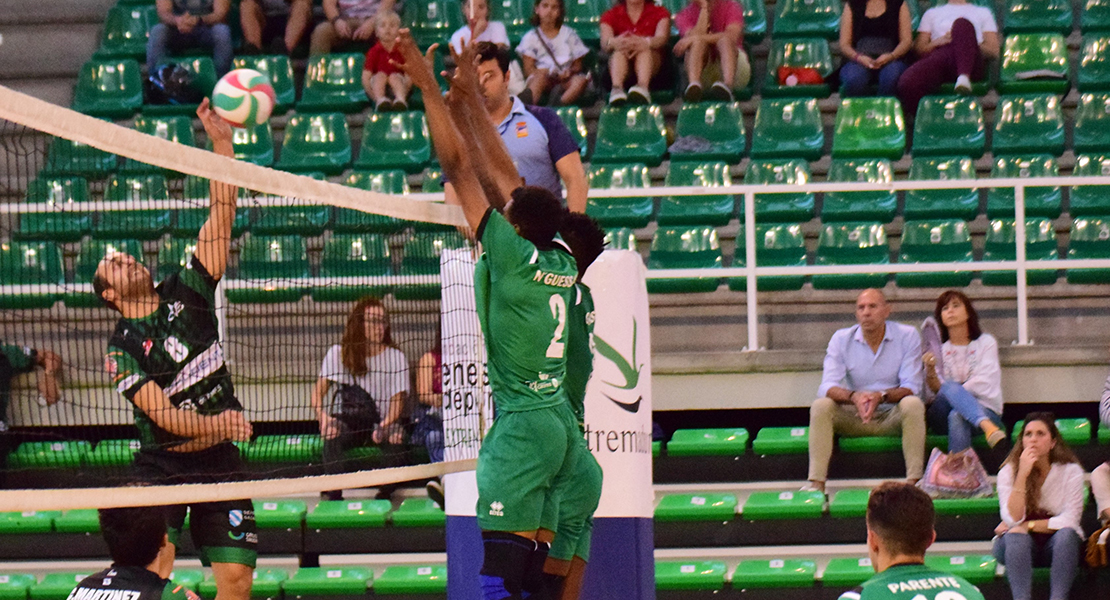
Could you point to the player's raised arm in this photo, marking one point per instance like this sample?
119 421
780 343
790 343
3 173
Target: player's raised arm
215 236
228 425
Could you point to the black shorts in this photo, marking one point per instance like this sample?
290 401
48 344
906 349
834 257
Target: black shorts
223 532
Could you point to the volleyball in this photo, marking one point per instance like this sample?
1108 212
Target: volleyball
244 97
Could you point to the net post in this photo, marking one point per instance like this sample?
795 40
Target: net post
749 258
1022 287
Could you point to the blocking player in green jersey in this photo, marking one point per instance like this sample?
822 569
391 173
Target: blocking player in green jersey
166 358
900 528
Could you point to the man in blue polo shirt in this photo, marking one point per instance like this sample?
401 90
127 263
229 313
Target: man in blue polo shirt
536 138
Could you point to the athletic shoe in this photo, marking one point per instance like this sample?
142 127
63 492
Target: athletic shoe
719 92
435 492
996 437
693 93
963 85
617 97
400 106
639 95
383 105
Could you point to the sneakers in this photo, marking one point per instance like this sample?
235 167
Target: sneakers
400 106
435 492
996 437
383 105
693 93
719 92
617 97
963 85
639 95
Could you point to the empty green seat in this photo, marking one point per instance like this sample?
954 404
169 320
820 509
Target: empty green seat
109 88
966 506
353 255
807 17
576 124
433 21
696 507
57 586
41 521
285 448
719 123
31 263
125 31
949 125
1040 244
138 224
314 582
203 71
788 128
112 453
585 17
869 128
90 255
187 578
781 440
804 53
784 505
1039 201
856 206
15 586
395 141
333 82
254 144
684 248
791 207
1029 123
1034 16
869 444
978 569
382 182
630 134
707 442
1086 200
421 256
173 255
409 580
1092 123
68 157
278 69
1094 15
277 261
689 575
198 191
781 245
60 224
633 211
846 573
849 503
266 584
177 129
49 455
621 238
303 220
1094 63
851 244
755 21
697 210
279 514
82 520
774 573
1103 435
348 514
432 182
1034 62
1089 238
942 204
318 142
947 241
419 512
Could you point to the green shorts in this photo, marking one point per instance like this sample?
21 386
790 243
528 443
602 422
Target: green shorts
521 458
570 505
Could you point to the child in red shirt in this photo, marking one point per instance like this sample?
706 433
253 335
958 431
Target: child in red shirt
379 75
633 33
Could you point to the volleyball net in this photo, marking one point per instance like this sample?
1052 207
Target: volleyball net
328 314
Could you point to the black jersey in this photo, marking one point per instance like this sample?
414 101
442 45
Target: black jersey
129 583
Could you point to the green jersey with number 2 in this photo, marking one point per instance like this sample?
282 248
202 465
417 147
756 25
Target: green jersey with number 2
914 582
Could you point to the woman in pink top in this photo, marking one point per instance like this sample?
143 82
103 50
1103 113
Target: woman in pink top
711 30
633 33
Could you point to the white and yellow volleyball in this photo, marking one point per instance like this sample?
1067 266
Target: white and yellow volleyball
244 98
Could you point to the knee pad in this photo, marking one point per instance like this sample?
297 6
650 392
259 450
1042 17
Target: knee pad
506 559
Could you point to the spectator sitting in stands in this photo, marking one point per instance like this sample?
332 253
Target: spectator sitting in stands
552 55
347 21
969 382
1100 478
478 27
712 34
15 360
190 24
952 41
869 386
380 75
875 36
429 410
277 23
633 33
1040 497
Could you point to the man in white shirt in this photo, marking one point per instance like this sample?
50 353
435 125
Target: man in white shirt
870 385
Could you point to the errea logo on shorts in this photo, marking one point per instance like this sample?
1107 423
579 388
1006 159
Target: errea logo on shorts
496 509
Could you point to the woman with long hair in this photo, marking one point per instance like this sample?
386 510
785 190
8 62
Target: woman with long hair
966 378
1040 497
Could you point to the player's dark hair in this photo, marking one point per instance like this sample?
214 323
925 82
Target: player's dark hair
535 20
585 239
902 515
973 329
353 348
1060 454
536 213
100 285
134 535
490 51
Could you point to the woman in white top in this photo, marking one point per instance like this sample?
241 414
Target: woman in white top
952 42
1040 498
552 55
967 378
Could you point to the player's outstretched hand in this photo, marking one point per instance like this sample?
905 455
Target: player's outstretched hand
218 130
235 426
465 79
415 65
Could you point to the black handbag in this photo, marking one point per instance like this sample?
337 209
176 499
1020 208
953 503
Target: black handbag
357 410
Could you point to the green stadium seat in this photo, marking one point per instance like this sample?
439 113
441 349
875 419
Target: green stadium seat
112 453
966 506
49 455
1075 432
125 31
1040 244
857 206
755 21
851 244
846 573
266 585
1092 123
715 210
432 181
419 512
585 17
178 129
348 514
173 255
333 82
1039 201
278 69
138 224
281 513
82 520
788 128
977 569
41 521
303 220
949 125
620 212
807 17
315 582
684 248
1030 123
31 263
869 128
395 141
721 123
1087 200
781 440
254 144
630 134
421 256
846 504
203 71
942 204
382 182
777 208
90 255
781 245
433 21
947 241
708 442
774 573
806 53
109 88
67 157
1040 53
59 225
15 586
319 142
869 444
197 191
353 255
690 575
57 586
621 238
696 507
411 580
278 260
187 578
1094 15
285 448
1036 16
576 124
516 16
1094 64
1103 435
783 505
